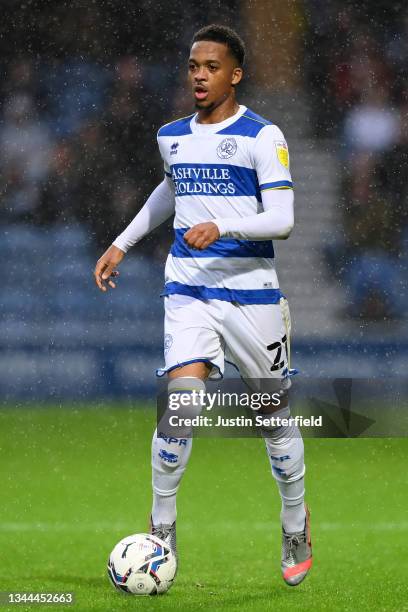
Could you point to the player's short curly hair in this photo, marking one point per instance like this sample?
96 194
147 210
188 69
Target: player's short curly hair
224 35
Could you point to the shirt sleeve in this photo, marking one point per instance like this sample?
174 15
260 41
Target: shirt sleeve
276 222
159 207
166 165
271 159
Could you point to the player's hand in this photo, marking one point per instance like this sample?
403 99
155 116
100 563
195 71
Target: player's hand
105 267
202 235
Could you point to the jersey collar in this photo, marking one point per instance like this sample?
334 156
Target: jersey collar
212 128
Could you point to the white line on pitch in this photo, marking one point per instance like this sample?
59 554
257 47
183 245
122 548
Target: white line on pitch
128 527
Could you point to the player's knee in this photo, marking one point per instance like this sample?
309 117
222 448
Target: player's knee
270 395
276 426
186 399
188 390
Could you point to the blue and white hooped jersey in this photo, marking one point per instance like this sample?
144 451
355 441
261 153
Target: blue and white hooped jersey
219 171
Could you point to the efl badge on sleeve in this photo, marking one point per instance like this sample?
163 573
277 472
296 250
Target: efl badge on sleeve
282 153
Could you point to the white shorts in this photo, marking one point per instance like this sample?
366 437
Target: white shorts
253 337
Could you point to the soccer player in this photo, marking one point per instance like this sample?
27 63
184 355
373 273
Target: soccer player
228 184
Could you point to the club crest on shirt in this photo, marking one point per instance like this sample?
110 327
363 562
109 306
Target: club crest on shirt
282 153
227 148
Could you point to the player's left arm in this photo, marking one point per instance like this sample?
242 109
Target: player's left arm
271 161
275 223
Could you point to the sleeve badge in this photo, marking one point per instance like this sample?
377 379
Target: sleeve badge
282 153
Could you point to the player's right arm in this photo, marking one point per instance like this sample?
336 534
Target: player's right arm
158 208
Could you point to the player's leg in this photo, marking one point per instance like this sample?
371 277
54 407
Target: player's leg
171 449
193 351
285 450
171 446
258 341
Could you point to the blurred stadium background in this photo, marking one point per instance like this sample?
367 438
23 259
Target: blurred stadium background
84 88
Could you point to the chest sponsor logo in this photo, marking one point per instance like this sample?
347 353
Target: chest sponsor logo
227 148
202 180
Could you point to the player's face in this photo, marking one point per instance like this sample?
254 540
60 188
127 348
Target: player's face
213 72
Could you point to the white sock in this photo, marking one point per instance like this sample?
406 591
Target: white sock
293 512
170 455
285 450
164 509
169 460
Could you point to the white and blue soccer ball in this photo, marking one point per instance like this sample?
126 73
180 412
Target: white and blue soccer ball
142 564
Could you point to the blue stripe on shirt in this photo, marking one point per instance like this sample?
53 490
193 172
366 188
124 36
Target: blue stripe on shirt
225 247
180 127
249 124
241 296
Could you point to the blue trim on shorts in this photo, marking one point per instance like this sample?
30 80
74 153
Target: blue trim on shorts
234 365
162 371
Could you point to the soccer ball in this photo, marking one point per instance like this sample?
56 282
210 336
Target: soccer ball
142 564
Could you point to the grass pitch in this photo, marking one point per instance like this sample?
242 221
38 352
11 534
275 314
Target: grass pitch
75 481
